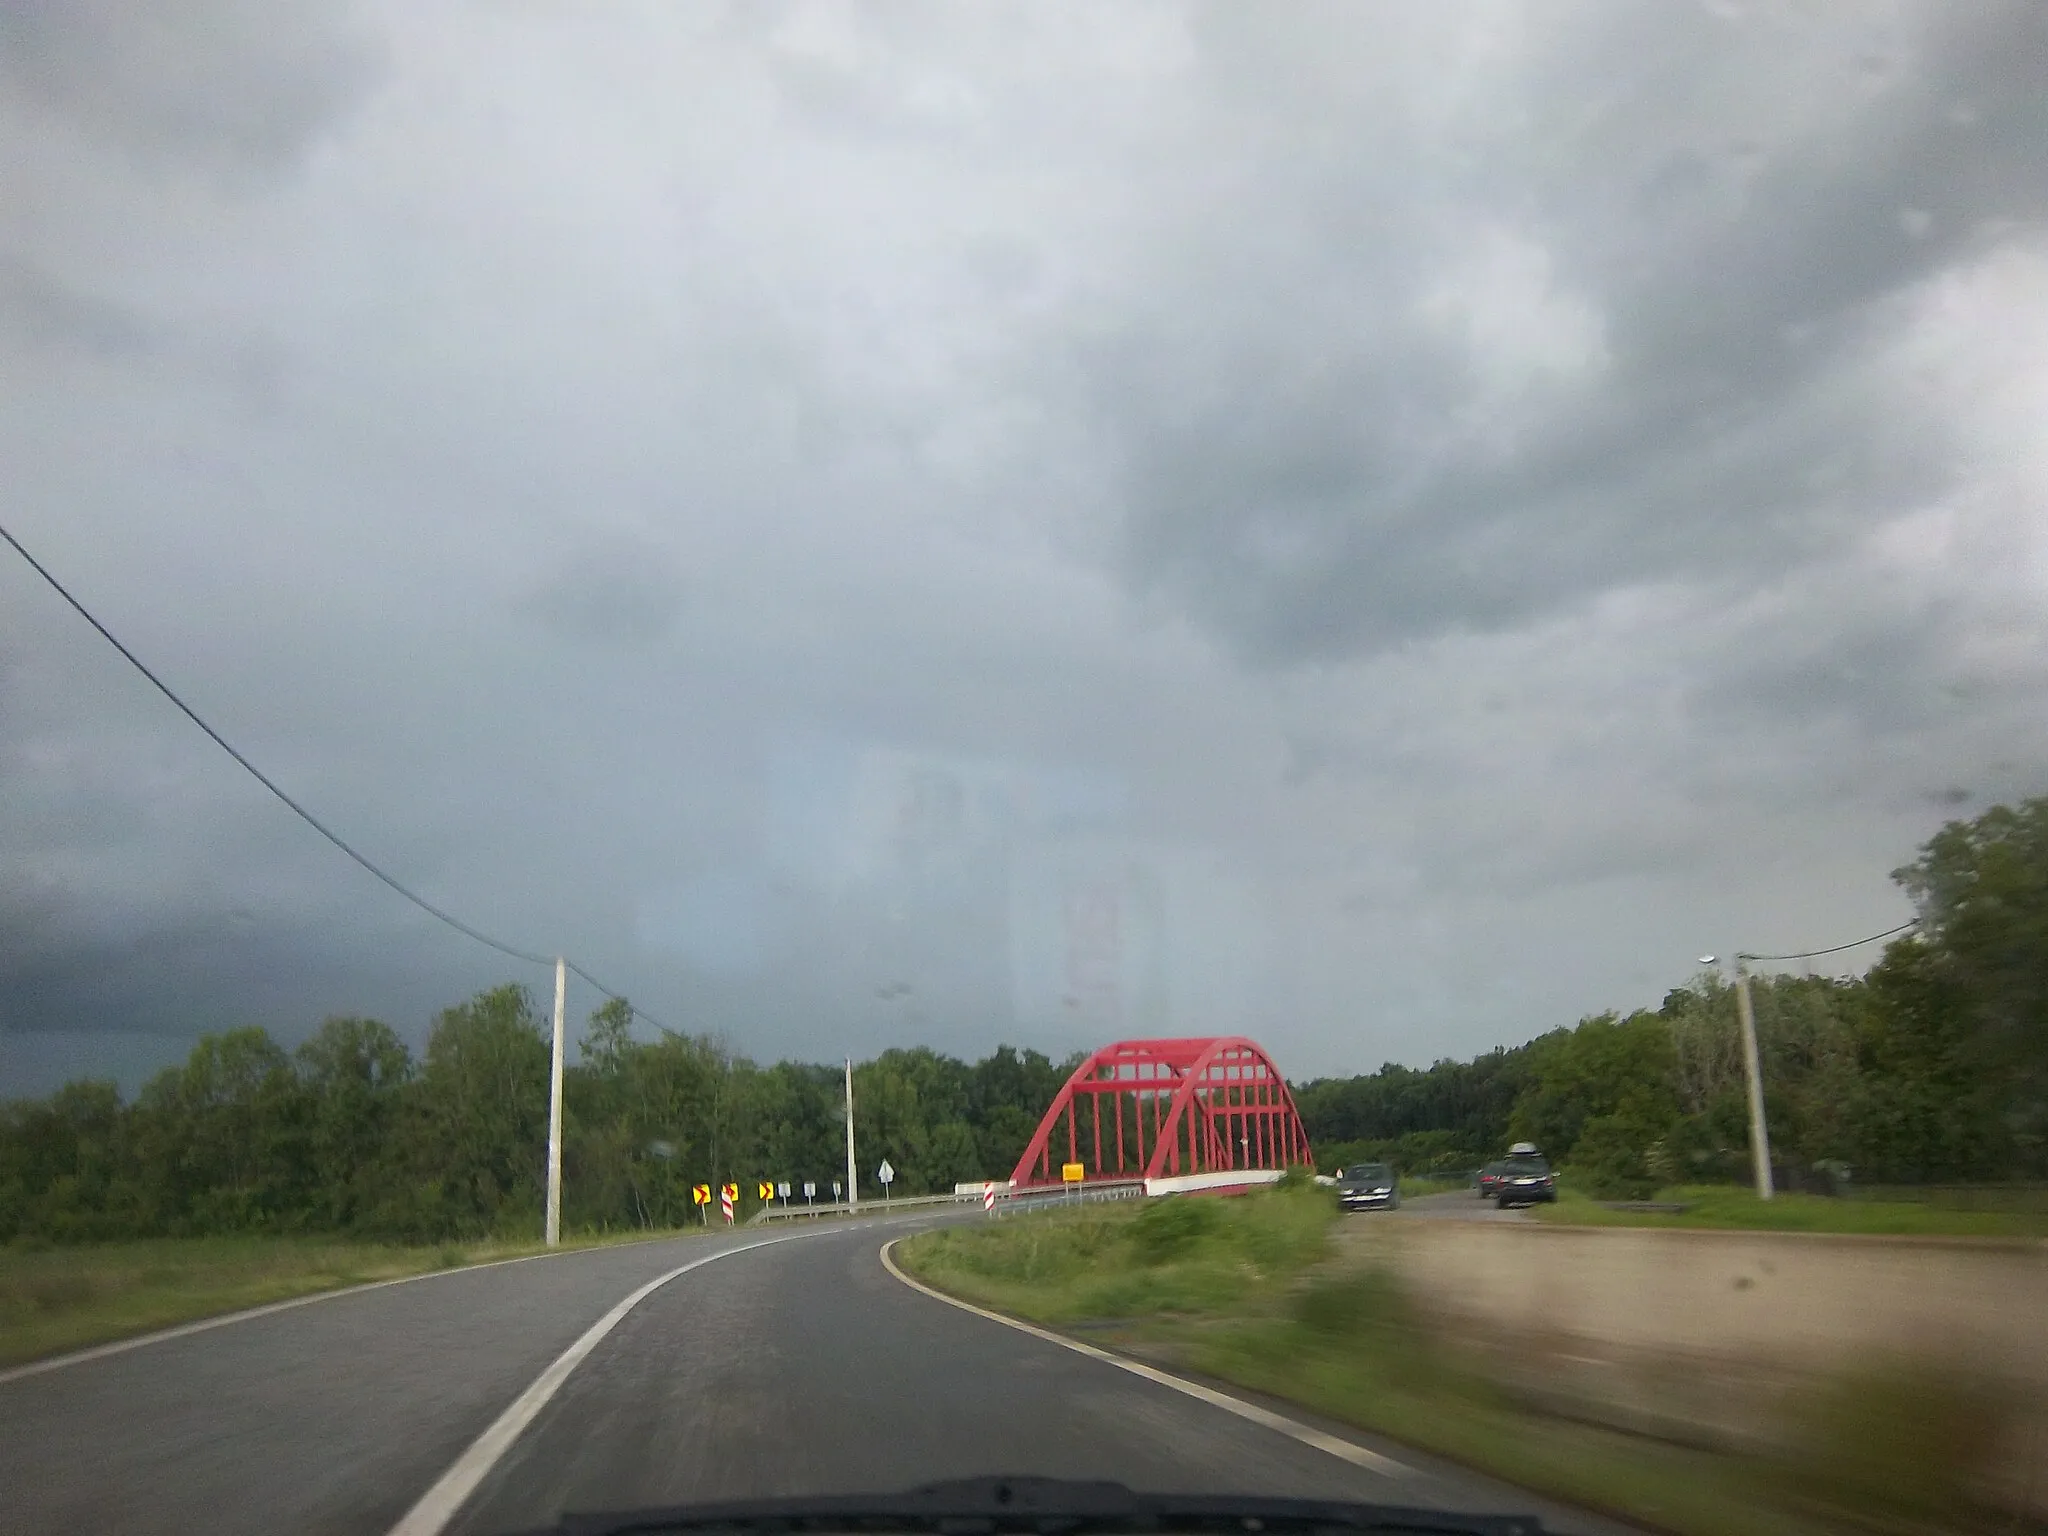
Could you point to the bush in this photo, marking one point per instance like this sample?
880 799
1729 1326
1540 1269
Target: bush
1165 1229
1902 1438
1369 1316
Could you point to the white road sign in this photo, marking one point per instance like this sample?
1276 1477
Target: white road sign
885 1173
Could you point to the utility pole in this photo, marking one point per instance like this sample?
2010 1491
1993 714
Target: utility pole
554 1232
1753 1076
1752 1066
852 1179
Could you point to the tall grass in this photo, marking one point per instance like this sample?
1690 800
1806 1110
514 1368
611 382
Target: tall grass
1182 1256
1727 1207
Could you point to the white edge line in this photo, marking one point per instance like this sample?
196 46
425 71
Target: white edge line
439 1504
1294 1429
248 1314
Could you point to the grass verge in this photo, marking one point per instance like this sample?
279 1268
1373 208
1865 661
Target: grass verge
1234 1290
57 1299
1720 1206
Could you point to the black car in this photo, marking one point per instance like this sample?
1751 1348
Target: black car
1368 1187
1525 1180
1489 1179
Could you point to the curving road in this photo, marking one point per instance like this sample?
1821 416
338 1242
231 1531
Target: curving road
795 1366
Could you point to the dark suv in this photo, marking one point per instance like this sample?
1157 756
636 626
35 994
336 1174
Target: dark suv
1368 1187
1489 1179
1525 1179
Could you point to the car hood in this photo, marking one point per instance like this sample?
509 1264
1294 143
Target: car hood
1015 1506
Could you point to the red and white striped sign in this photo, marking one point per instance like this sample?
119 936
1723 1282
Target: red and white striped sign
988 1197
728 1196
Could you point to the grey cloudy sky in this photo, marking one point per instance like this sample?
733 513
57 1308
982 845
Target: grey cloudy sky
1383 528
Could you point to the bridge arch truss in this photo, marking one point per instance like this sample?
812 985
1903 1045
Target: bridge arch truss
1159 1108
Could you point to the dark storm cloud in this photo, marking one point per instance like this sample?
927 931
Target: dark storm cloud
1313 466
1419 520
625 595
40 311
242 85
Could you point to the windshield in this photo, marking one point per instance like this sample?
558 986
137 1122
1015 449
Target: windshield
736 737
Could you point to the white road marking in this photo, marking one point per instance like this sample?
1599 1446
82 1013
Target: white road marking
184 1330
439 1504
1343 1450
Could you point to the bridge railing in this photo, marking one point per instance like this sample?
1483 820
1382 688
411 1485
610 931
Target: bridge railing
869 1207
1033 1197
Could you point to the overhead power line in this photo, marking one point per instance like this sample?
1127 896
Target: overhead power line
1812 954
299 810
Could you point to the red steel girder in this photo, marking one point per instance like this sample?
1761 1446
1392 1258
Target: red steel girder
1214 1105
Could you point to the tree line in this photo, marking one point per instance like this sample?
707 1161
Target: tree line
1932 1066
351 1132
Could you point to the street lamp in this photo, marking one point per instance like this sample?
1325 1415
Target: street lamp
1752 1071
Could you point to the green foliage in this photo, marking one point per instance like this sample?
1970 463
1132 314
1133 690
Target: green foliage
1723 1206
1450 1116
1186 1254
1165 1229
1981 888
1599 1096
352 1134
1370 1316
1901 1438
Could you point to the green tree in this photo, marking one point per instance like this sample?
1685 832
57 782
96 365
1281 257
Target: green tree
1923 1107
65 1167
1601 1098
224 1138
483 1112
356 1073
1981 889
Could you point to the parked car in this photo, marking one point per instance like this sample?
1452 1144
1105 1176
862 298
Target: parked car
1489 1180
1368 1187
1526 1180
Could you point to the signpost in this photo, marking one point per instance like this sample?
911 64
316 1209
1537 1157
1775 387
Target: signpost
988 1198
767 1191
700 1196
838 1190
782 1189
728 1197
888 1176
1071 1174
810 1192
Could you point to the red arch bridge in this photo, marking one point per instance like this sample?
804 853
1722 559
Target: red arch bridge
1189 1112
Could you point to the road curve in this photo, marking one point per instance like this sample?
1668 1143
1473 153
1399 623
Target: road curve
797 1367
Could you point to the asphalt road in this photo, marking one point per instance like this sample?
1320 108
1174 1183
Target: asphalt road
1458 1205
798 1367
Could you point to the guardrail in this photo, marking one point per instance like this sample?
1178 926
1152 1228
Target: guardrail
841 1208
1036 1196
1052 1196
